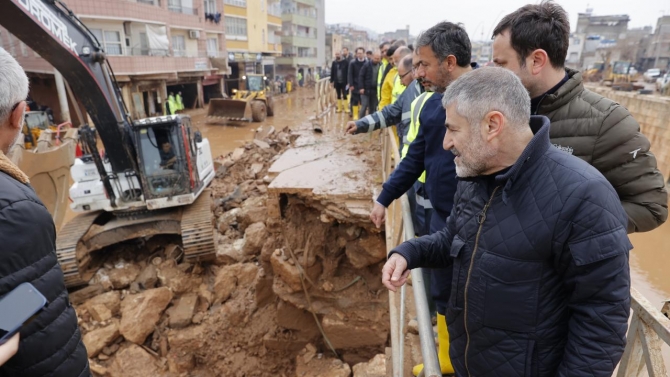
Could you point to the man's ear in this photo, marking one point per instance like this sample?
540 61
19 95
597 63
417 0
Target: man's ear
449 63
494 123
16 117
538 60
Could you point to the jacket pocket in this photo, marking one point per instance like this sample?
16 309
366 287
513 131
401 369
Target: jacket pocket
510 293
457 245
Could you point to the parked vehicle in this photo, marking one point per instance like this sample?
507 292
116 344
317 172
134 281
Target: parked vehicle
652 74
662 82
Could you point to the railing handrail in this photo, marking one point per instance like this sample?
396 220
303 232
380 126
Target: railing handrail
425 327
648 330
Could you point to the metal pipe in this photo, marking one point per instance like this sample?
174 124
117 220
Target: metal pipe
431 366
62 97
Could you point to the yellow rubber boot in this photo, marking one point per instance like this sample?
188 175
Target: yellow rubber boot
339 106
355 110
443 349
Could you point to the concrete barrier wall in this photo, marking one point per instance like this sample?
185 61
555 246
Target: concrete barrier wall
653 114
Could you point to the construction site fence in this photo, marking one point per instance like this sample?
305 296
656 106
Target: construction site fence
648 331
325 97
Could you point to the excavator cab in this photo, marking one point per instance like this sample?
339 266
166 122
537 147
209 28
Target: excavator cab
167 152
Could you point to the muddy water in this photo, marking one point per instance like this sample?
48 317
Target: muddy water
650 263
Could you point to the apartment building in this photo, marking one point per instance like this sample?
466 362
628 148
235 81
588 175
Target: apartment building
303 37
154 47
253 38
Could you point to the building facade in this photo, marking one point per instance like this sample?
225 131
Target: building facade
302 25
253 38
657 49
154 47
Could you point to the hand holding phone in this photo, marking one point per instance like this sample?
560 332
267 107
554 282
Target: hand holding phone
9 349
17 308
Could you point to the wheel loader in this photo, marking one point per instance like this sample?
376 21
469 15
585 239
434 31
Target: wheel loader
252 103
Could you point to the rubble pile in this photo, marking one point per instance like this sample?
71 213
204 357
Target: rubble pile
285 289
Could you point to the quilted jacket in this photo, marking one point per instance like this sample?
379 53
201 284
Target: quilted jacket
541 283
51 343
604 134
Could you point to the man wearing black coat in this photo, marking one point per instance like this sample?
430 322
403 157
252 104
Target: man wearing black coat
368 78
355 85
339 71
50 345
536 239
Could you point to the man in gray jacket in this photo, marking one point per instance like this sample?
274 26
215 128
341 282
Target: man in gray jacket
533 43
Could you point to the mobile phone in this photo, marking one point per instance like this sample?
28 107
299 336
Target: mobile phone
17 308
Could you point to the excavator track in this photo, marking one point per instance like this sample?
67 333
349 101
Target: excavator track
197 229
66 246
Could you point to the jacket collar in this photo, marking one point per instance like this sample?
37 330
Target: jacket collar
8 167
535 149
572 88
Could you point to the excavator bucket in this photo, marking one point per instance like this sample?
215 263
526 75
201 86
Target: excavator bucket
48 168
231 109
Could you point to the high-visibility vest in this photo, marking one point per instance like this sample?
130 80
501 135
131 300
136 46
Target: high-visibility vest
398 88
415 123
180 102
380 76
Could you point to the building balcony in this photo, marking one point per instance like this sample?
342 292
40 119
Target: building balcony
299 19
298 41
274 47
183 10
311 3
275 20
296 60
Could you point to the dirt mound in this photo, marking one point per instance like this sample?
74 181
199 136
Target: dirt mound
278 285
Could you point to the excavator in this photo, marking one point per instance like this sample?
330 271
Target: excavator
152 174
253 102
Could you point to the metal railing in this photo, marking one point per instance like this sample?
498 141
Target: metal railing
325 97
648 330
399 228
140 51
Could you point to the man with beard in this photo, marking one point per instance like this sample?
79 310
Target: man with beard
51 343
443 54
536 241
532 42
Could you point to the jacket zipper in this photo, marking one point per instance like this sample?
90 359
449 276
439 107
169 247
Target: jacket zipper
480 218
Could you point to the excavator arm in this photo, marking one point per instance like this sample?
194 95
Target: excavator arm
58 36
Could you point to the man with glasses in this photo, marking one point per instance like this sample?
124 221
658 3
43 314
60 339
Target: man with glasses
51 343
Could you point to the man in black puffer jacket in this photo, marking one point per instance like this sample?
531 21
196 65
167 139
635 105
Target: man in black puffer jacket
537 241
51 344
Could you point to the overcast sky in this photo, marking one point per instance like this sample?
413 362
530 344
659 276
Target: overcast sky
479 16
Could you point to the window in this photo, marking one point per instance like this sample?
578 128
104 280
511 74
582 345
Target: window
237 3
236 26
110 41
262 5
210 6
576 41
179 45
212 47
263 37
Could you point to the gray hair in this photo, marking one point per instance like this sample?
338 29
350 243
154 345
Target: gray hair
406 63
13 84
447 38
490 89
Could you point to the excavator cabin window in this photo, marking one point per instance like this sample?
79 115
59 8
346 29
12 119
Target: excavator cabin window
163 160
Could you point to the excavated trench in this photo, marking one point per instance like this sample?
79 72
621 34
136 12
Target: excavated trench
295 288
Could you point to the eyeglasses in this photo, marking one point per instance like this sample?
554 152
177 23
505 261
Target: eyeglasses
406 73
15 106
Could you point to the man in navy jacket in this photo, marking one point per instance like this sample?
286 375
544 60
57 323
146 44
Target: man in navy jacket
537 242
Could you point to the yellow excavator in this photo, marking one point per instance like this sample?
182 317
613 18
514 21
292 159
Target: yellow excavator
253 102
